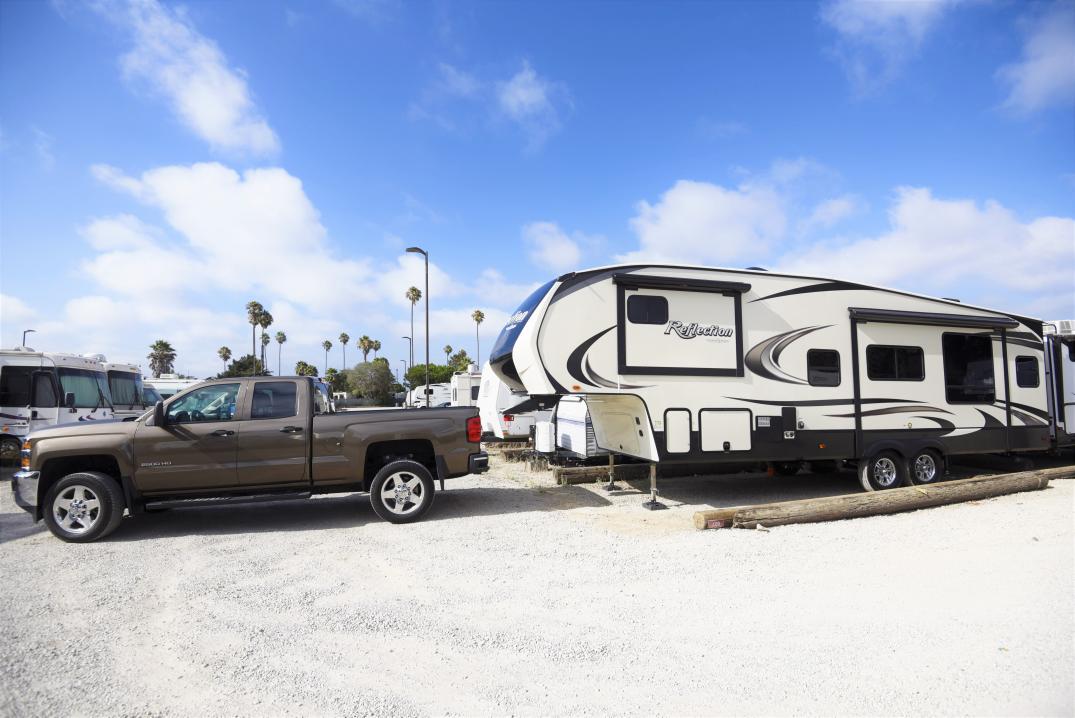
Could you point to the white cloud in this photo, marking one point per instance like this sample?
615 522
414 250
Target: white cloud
43 142
549 247
458 83
531 102
1045 75
409 271
208 95
934 243
254 231
877 37
13 309
830 212
494 290
700 223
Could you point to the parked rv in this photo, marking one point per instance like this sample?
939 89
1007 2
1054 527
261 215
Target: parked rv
439 395
506 413
699 365
168 385
129 397
42 389
465 386
573 429
1060 381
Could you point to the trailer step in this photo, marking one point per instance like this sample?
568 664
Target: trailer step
225 500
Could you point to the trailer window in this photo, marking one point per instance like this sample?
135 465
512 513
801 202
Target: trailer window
823 367
647 309
894 363
968 368
15 385
473 393
1026 372
274 400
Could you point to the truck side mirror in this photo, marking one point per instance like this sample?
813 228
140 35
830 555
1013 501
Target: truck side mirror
69 400
158 414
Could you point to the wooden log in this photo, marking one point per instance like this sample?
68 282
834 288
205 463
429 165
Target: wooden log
850 506
565 475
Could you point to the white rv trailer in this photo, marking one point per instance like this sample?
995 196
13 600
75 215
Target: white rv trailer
693 364
466 386
129 397
168 385
1060 381
573 427
42 389
504 412
438 394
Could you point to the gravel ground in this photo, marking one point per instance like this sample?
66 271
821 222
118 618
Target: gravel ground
517 597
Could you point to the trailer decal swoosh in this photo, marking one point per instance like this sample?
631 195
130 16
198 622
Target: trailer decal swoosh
943 423
820 402
991 422
764 357
910 409
574 362
810 288
1027 418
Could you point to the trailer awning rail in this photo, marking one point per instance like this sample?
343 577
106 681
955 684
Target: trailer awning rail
896 316
649 281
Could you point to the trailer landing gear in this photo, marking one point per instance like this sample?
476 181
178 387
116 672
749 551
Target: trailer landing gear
653 504
611 485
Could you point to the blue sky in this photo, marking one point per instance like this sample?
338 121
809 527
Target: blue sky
162 164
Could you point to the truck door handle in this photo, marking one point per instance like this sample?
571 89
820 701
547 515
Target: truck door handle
291 430
222 432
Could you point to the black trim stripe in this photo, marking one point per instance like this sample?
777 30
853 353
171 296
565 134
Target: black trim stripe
834 286
892 410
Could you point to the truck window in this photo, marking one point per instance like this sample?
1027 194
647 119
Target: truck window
209 403
15 385
274 400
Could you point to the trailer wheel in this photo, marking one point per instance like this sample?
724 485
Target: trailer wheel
402 492
883 470
83 507
925 467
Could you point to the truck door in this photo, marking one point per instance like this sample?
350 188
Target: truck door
196 447
273 442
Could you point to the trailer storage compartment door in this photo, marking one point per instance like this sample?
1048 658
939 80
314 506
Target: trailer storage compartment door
725 429
679 326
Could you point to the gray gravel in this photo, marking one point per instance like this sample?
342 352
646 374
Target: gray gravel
516 597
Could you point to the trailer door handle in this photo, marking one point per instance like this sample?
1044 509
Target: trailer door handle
222 432
291 430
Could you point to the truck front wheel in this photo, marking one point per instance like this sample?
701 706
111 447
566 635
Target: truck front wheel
83 507
402 492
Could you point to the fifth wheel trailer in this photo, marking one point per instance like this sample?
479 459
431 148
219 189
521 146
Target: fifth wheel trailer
693 364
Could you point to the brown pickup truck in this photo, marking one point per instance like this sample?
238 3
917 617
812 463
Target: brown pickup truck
239 441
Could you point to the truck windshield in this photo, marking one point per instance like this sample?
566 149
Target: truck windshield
126 388
506 341
89 387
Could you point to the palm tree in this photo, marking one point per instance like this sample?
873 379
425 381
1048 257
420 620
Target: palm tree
447 352
365 344
376 347
161 358
264 321
478 316
225 354
326 345
344 338
280 339
254 310
413 294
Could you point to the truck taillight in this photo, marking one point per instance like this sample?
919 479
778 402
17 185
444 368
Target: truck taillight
474 429
509 417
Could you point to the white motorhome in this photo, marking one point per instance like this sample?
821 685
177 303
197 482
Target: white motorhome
42 389
505 413
465 386
694 364
439 395
129 397
1060 381
168 385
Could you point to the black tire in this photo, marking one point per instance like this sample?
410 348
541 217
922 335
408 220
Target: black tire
10 456
787 468
884 470
925 467
402 492
83 507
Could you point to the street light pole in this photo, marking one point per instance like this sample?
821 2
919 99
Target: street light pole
425 254
402 379
410 350
25 332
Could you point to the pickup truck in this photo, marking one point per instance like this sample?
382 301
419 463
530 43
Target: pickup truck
238 441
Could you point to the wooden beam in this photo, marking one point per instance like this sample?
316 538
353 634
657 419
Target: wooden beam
850 506
588 474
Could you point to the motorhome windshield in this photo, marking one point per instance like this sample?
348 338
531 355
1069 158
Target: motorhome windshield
126 389
152 396
89 387
506 341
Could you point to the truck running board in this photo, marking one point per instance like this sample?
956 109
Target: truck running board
225 500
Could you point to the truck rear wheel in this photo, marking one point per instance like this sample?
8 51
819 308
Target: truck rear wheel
402 492
883 470
83 507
